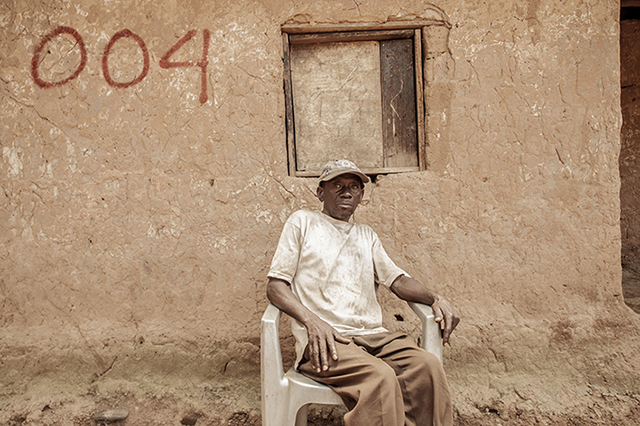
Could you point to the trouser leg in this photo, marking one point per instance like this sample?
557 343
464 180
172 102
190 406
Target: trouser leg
425 391
386 379
366 384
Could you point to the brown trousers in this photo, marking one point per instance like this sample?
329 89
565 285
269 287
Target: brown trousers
386 379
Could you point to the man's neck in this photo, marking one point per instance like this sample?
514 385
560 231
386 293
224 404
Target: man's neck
337 218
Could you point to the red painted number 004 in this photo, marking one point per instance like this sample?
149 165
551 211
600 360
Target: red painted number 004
165 61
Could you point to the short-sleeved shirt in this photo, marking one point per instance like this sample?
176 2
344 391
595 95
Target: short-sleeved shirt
334 268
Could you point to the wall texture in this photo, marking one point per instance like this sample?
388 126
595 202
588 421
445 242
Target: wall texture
142 199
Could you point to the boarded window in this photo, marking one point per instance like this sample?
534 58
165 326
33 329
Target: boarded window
355 95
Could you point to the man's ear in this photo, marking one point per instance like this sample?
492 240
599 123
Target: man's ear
320 193
361 195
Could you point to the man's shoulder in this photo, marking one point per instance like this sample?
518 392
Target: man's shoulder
302 214
366 231
363 227
301 218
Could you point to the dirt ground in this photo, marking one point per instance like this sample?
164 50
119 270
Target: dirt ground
155 400
209 406
160 401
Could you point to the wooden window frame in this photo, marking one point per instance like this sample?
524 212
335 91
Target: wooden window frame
295 34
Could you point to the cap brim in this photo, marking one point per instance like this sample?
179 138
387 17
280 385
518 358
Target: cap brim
337 173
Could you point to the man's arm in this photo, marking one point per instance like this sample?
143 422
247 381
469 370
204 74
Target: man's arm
322 336
408 289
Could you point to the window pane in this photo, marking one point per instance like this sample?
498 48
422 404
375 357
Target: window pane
398 103
337 103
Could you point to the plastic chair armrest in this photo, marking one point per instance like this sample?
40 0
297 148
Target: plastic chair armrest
270 352
431 335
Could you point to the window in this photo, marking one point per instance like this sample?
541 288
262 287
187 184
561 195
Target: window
355 91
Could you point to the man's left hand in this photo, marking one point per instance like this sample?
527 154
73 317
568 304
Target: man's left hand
447 314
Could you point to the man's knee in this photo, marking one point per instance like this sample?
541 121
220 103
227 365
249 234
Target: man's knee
426 364
431 360
380 372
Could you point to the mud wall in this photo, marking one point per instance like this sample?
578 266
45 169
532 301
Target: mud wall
142 199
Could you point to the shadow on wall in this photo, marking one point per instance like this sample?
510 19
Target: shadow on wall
630 153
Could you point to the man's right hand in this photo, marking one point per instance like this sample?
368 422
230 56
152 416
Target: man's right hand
322 337
322 343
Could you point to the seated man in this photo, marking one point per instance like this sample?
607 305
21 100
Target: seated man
324 274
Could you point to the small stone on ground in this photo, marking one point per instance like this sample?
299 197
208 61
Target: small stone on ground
111 415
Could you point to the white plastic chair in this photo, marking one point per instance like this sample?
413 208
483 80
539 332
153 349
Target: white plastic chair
286 396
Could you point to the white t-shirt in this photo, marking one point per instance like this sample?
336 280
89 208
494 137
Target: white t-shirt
334 268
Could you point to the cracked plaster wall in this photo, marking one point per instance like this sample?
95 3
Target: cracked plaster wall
138 224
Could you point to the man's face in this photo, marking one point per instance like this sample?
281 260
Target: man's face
341 195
